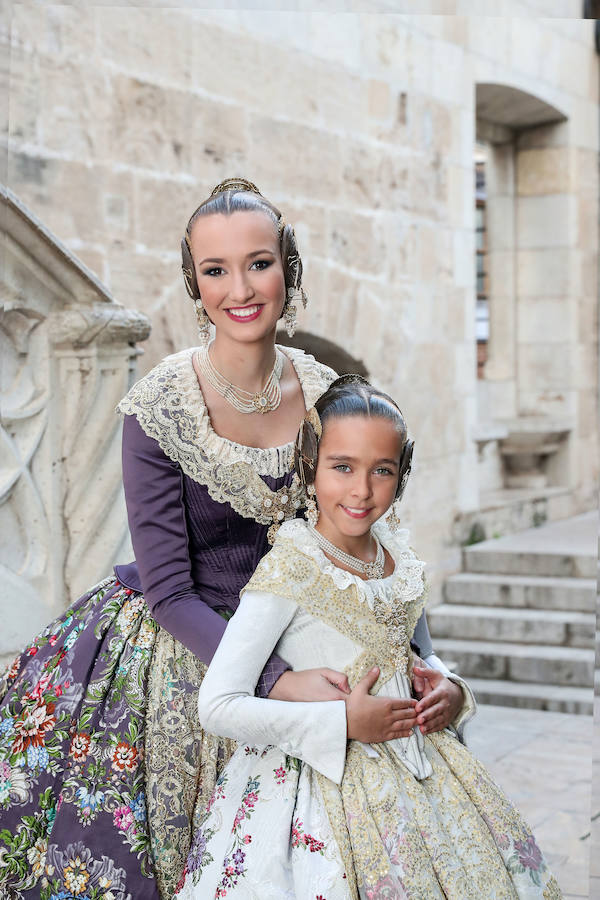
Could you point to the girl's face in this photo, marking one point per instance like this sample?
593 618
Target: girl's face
357 474
239 271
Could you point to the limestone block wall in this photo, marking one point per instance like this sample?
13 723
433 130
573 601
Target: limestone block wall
361 126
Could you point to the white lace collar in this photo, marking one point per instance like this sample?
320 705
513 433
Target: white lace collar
408 567
169 406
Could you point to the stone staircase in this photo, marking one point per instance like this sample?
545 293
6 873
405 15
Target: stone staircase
519 622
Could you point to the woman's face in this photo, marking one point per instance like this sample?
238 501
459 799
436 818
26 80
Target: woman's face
357 474
239 272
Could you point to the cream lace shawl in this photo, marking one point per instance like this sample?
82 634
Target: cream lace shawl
169 406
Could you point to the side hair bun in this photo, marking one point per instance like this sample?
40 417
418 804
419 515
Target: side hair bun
306 448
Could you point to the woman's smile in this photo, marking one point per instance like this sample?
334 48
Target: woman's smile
244 313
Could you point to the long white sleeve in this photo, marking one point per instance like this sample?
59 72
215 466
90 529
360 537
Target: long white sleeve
314 732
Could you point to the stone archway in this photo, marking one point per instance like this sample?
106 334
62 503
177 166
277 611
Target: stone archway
326 351
529 200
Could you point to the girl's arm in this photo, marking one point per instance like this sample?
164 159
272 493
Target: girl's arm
154 495
314 732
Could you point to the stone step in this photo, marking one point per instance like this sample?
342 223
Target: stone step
552 697
566 549
519 662
485 557
532 592
531 626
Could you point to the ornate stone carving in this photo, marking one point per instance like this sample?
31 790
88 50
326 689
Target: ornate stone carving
68 356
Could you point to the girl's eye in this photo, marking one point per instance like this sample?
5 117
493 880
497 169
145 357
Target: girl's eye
382 470
261 264
342 467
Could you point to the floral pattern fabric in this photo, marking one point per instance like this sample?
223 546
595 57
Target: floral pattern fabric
78 743
265 833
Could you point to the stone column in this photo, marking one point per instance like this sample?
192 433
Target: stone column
68 355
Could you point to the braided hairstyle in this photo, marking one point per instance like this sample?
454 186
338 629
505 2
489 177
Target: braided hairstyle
350 395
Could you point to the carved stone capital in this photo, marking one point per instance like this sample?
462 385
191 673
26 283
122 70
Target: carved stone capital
98 324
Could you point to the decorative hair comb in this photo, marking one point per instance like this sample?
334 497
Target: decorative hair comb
312 416
235 184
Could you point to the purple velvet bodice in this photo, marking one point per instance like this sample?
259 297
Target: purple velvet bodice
193 554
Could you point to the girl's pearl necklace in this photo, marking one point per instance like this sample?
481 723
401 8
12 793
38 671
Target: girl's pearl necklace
262 401
373 569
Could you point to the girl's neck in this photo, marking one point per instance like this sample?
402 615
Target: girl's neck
362 546
246 365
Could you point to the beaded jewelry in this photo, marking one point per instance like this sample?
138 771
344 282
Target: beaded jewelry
262 401
373 569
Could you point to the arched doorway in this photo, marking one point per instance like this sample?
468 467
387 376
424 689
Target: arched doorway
523 199
325 351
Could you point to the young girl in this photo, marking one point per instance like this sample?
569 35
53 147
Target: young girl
306 808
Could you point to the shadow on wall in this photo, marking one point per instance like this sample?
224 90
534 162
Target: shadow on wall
325 351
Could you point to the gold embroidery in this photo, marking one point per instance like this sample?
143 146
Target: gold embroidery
182 762
289 572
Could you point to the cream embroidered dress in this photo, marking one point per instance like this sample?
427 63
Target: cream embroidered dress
301 813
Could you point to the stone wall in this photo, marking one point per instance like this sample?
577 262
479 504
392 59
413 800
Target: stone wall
361 126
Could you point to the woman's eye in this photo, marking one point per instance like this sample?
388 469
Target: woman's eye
261 264
215 270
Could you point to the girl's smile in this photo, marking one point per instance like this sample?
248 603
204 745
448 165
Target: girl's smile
356 479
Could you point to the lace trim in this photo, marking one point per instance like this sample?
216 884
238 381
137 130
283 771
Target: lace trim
169 406
409 568
382 627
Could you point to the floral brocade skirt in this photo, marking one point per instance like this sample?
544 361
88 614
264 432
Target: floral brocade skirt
104 769
275 829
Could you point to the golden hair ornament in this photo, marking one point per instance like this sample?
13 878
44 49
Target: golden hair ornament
235 184
312 416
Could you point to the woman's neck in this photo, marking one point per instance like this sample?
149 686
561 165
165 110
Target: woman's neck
246 365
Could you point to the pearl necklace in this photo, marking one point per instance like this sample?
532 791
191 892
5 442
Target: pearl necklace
262 401
373 569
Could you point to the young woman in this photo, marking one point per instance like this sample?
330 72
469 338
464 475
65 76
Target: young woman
103 766
307 807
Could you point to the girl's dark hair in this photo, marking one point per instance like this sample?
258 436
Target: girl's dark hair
350 395
237 200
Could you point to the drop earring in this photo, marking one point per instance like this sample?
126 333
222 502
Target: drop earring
312 510
203 322
290 318
392 519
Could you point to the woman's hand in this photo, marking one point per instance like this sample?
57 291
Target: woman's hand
376 719
440 704
309 685
421 686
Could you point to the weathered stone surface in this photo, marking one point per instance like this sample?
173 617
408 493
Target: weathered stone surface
547 171
521 591
540 626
